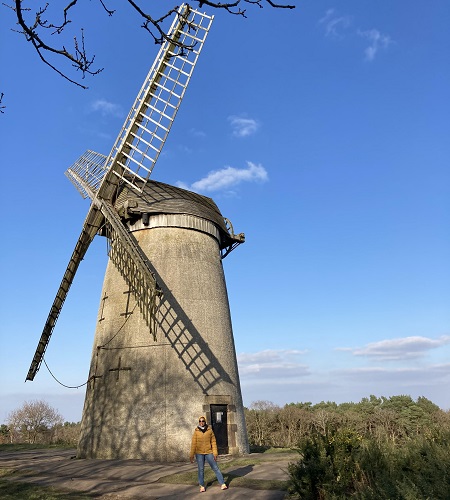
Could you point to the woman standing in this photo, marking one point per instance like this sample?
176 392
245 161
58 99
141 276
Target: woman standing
204 448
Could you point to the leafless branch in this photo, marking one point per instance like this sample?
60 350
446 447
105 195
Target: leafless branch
78 57
35 27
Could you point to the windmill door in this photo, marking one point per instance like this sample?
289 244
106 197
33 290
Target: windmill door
219 425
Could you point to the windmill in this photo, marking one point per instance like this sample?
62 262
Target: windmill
163 349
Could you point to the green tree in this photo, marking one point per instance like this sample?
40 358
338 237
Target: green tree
4 434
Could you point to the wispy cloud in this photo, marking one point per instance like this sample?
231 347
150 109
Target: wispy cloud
197 133
377 41
268 355
275 376
272 364
243 127
106 108
334 23
399 349
413 376
227 177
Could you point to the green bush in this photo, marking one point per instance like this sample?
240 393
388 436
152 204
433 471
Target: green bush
329 465
340 464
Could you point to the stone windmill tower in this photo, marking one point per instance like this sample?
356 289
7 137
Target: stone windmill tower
163 350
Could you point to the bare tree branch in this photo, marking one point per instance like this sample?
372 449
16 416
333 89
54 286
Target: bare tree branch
80 61
36 29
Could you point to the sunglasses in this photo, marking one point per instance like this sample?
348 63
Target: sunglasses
200 421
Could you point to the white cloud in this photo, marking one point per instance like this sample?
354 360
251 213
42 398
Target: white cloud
106 108
334 23
399 349
278 375
272 364
227 177
415 376
197 133
268 355
243 127
377 41
335 26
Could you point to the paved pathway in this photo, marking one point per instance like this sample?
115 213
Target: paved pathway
136 479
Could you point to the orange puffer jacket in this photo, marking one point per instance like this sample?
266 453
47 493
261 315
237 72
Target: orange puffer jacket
203 443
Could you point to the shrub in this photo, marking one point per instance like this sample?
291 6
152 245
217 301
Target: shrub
339 464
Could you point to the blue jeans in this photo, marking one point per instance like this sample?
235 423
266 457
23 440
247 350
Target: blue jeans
201 468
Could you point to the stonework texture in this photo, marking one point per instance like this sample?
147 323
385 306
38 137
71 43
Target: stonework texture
145 394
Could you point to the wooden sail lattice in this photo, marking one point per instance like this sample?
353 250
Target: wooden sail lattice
131 160
132 265
142 137
88 170
150 119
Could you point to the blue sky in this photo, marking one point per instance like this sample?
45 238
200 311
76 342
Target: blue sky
321 133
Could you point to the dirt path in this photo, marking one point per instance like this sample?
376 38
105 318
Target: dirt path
135 479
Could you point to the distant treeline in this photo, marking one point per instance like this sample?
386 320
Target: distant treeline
36 422
393 419
380 448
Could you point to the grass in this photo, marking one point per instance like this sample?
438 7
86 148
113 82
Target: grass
274 451
12 489
230 478
35 446
269 450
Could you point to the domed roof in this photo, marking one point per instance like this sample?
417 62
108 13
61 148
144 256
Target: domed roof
161 198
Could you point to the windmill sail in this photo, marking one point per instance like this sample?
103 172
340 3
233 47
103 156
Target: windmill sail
87 173
131 160
87 235
150 119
